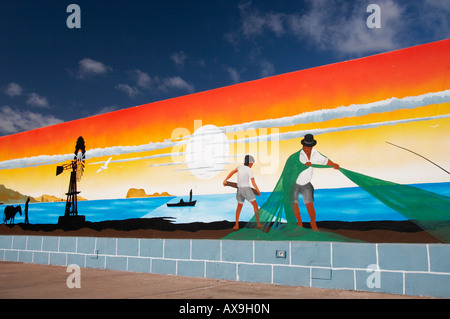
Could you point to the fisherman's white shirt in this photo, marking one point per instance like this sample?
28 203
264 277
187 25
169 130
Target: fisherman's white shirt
244 176
316 158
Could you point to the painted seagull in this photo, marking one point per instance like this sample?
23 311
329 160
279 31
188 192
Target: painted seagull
105 166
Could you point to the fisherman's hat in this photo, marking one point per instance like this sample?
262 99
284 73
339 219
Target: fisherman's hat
309 140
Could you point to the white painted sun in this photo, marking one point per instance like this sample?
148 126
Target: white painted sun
207 151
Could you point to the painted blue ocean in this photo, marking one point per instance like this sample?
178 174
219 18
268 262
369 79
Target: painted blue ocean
343 204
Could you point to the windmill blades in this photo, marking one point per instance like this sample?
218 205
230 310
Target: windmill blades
80 159
80 170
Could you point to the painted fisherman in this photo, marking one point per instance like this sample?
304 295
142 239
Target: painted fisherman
244 190
303 186
26 211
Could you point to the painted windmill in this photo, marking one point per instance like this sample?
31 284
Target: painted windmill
77 168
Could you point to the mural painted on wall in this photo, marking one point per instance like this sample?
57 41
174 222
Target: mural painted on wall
358 141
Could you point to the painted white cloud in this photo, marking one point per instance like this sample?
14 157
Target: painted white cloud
174 154
353 110
301 133
307 117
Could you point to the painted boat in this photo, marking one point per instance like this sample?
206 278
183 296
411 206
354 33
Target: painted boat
182 203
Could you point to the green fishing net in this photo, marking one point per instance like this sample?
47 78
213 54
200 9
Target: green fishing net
428 210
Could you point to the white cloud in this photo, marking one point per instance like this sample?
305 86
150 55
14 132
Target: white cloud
439 4
435 17
37 100
13 89
178 58
143 80
342 27
14 121
234 74
88 67
107 109
177 83
254 22
131 91
267 68
146 83
338 26
357 38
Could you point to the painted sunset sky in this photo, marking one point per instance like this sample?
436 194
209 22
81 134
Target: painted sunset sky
353 108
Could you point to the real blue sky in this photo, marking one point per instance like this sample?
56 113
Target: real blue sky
129 53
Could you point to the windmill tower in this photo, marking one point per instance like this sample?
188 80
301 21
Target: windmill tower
76 166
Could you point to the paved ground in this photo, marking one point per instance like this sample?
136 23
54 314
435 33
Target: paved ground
20 280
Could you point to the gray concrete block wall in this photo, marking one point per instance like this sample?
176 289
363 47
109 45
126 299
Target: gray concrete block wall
411 269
